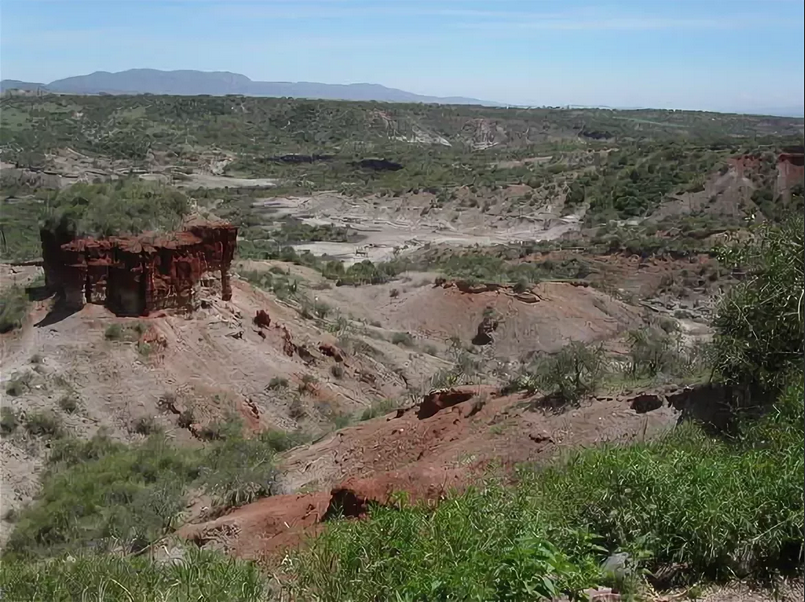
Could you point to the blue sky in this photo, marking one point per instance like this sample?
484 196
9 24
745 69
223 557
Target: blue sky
697 54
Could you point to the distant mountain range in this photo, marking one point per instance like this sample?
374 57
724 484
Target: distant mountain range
220 83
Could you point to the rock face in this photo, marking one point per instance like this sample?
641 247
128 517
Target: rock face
136 275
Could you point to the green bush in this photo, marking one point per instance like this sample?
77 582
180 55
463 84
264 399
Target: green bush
277 382
113 332
693 499
68 403
759 323
652 350
18 384
239 471
487 544
43 423
128 206
402 338
566 376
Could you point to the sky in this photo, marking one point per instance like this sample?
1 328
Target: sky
724 55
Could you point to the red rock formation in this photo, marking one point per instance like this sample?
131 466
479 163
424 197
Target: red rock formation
331 351
262 319
444 398
790 171
136 275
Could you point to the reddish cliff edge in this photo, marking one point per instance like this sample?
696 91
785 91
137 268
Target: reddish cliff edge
136 275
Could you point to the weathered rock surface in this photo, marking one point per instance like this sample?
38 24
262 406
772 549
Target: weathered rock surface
137 275
444 398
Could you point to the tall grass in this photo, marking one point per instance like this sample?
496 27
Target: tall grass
199 577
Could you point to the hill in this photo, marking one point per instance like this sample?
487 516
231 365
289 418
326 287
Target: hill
222 83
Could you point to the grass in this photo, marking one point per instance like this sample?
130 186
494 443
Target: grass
718 507
203 575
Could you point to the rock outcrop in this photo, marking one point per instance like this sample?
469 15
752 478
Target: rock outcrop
136 275
444 398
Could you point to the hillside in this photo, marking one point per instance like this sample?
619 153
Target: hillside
530 338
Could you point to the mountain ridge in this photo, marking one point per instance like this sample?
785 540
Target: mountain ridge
220 83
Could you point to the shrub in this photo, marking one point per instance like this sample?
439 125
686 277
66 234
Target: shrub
653 350
113 332
307 383
43 424
239 471
569 374
145 425
714 506
186 418
759 324
402 338
278 382
19 384
297 410
337 370
229 428
68 403
9 421
281 441
321 309
98 493
394 293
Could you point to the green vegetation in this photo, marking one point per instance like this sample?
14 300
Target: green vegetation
294 231
760 322
126 206
43 424
717 507
99 494
199 576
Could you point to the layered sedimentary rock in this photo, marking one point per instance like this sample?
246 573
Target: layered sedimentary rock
136 275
